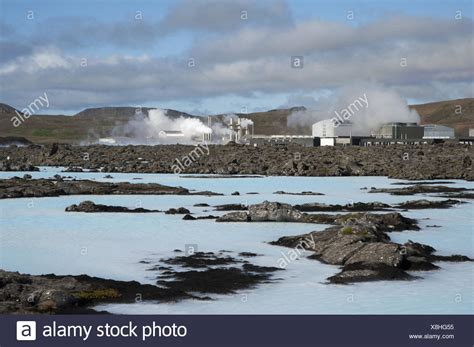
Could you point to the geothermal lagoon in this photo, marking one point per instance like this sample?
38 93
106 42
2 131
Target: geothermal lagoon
39 237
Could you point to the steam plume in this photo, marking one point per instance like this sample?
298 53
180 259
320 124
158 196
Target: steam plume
148 129
384 106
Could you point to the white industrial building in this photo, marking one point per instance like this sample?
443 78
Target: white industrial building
435 131
327 133
107 141
170 134
327 128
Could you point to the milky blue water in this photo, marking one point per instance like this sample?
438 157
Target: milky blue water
38 237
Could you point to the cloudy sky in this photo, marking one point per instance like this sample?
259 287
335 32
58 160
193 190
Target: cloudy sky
214 56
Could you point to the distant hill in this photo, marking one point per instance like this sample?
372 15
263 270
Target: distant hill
274 122
42 129
458 114
121 113
87 125
6 109
93 123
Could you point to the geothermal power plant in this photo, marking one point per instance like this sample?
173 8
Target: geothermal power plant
326 132
329 133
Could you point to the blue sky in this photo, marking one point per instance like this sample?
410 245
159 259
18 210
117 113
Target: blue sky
138 52
14 11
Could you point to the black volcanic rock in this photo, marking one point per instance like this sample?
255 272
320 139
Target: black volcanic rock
457 195
445 161
219 281
356 207
28 294
91 207
387 222
234 217
274 212
8 165
14 141
420 183
364 251
200 260
279 212
214 275
248 254
418 189
378 206
230 207
189 217
19 188
54 149
282 192
179 210
359 272
426 204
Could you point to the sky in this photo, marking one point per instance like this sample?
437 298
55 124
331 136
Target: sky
218 56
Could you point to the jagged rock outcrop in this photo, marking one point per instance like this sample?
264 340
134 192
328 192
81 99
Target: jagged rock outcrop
365 252
234 217
280 212
358 242
274 212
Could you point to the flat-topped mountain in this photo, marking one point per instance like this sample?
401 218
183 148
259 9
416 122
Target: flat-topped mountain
117 113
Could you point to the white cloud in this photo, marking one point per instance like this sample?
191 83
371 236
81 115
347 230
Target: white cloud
256 59
46 60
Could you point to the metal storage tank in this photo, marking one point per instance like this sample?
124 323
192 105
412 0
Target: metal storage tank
435 131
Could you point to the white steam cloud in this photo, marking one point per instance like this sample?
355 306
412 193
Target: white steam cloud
157 127
367 106
244 122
